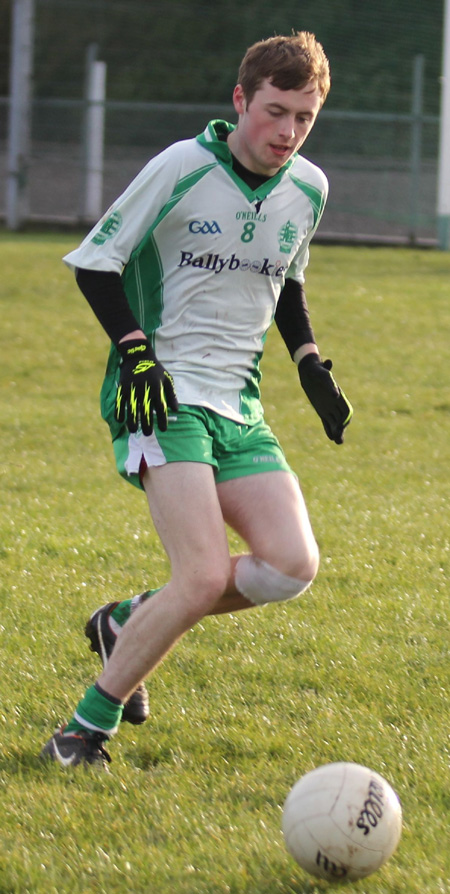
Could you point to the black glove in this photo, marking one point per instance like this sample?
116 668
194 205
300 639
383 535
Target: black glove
145 387
325 395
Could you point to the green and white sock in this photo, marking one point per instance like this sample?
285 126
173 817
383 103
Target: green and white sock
97 711
125 609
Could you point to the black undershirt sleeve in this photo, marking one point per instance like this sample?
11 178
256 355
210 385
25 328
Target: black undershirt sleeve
292 316
105 294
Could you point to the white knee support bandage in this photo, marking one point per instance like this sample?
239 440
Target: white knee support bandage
260 583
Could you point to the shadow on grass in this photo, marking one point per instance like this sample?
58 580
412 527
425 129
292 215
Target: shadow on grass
21 762
25 764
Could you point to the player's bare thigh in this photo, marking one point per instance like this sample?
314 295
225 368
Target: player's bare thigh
268 511
186 512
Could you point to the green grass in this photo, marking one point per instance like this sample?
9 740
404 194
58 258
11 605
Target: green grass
356 670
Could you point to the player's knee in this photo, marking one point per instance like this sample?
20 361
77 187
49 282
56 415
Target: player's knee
307 566
261 583
203 590
301 564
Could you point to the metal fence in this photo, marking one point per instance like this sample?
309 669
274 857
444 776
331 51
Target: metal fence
382 168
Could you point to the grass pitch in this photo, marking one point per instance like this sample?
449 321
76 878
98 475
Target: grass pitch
356 670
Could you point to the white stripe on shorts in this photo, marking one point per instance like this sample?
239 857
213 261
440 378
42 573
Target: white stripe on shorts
146 446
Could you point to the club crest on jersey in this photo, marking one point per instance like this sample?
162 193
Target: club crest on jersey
109 228
287 235
205 226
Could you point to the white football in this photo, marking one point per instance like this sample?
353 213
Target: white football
341 821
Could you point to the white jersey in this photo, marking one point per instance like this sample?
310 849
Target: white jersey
203 259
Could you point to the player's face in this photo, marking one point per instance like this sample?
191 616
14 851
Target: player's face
273 125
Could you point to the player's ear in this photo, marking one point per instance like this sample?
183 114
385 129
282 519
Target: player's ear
239 100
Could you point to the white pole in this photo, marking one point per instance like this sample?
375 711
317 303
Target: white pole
19 125
443 208
416 143
95 135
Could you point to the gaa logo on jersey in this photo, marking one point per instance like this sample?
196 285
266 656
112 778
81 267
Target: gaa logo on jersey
109 228
205 226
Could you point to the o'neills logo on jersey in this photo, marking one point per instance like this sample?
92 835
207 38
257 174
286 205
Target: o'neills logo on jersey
216 264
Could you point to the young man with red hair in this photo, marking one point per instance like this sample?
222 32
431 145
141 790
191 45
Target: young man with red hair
186 273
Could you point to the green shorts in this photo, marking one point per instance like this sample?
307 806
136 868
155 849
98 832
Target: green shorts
195 434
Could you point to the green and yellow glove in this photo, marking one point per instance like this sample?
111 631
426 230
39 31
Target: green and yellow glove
329 402
145 388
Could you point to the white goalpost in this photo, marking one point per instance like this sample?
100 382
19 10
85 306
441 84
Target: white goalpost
443 201
21 73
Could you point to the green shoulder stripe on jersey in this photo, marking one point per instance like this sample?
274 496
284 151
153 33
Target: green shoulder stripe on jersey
182 188
315 196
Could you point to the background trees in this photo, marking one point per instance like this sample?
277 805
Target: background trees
189 50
